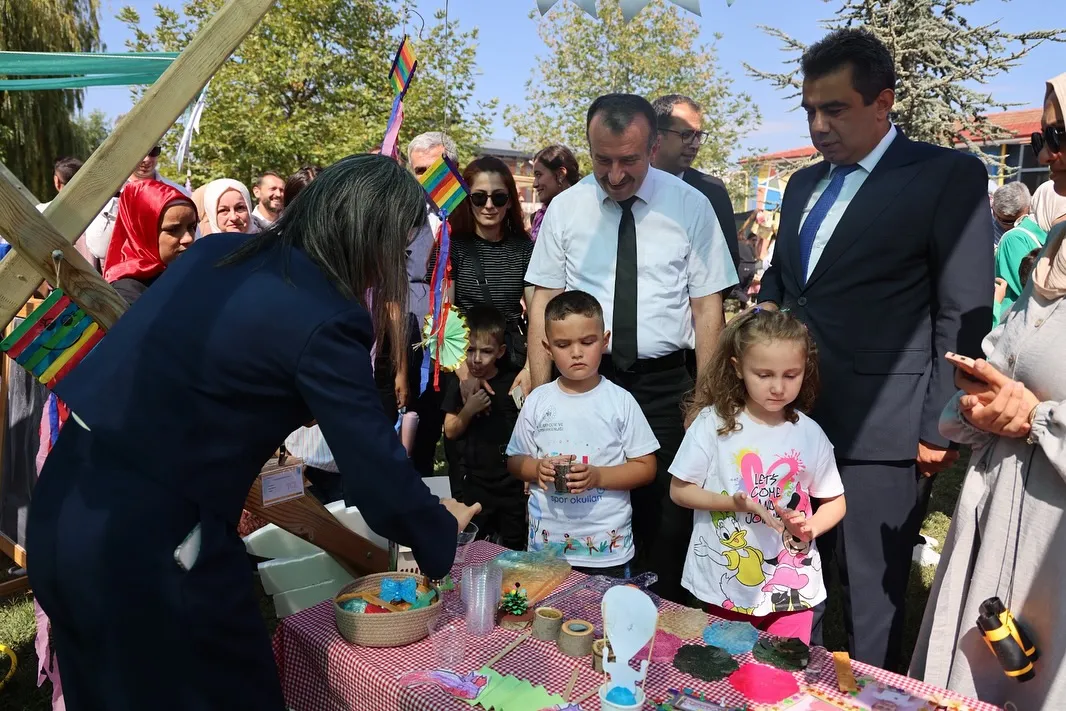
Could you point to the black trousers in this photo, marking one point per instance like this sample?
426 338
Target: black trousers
385 371
430 430
661 528
503 512
871 551
131 629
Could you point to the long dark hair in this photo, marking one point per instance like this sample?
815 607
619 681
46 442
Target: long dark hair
721 386
463 222
557 157
354 221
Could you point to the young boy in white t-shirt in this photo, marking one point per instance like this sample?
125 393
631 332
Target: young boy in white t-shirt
597 427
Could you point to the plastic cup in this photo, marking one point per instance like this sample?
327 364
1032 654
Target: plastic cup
466 537
817 661
562 469
447 636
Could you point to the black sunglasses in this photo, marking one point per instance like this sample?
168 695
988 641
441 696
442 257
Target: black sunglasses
480 199
1052 136
154 153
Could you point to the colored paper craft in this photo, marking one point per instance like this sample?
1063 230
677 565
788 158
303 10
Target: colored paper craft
877 695
448 349
444 184
845 677
389 146
734 637
788 654
508 693
687 700
810 700
763 684
467 687
706 663
53 339
403 68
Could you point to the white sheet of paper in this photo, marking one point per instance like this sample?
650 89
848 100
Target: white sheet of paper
283 485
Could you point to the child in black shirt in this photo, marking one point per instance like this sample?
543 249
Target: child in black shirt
481 429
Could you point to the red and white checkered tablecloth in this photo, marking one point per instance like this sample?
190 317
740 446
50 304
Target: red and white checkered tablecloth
320 671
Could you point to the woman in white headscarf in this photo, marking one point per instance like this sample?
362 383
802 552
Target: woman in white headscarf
1008 533
227 206
1047 206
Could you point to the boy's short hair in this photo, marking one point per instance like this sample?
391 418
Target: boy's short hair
568 303
486 320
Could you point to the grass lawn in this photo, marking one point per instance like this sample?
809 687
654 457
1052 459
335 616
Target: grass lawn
17 626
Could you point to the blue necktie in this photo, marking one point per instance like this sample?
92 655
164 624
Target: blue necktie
818 214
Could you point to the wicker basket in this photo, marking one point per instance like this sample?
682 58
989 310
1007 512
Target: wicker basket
394 629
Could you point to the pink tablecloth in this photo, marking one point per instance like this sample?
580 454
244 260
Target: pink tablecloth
320 671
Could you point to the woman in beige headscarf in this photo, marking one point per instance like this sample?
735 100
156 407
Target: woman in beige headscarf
227 207
1048 207
1008 533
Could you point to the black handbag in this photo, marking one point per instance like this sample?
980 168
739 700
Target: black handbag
514 335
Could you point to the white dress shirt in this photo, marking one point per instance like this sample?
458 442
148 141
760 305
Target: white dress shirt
852 183
681 255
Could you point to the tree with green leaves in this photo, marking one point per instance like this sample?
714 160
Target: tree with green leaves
92 129
943 62
37 127
310 85
656 53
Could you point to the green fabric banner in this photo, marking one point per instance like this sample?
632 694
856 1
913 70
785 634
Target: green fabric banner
75 70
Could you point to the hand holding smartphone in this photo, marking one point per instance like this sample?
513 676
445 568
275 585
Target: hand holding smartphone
966 365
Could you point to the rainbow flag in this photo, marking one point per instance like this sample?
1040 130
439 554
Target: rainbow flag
389 146
53 339
403 68
444 185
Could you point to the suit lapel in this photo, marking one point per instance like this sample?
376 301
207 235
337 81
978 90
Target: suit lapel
797 193
873 198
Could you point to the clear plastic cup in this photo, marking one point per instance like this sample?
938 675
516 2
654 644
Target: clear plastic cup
447 635
819 658
466 537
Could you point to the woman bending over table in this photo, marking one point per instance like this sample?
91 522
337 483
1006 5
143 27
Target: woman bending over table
132 539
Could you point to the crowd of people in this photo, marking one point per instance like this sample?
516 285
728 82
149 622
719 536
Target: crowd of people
605 407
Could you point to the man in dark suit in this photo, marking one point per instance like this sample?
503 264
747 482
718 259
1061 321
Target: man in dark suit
883 252
680 120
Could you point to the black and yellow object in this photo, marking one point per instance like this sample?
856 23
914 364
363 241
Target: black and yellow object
1007 640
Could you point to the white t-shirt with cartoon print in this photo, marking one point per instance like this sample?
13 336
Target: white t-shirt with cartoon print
603 427
734 560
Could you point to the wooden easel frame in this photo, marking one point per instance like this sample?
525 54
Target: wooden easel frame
42 245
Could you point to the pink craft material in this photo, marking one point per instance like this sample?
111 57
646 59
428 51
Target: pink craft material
666 646
763 684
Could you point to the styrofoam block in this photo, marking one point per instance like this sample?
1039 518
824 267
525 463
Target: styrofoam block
286 574
293 601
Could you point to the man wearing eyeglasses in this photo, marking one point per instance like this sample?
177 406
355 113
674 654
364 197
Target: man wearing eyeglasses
98 233
679 122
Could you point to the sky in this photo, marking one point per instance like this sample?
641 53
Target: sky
505 26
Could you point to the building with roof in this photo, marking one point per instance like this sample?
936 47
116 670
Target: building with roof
769 172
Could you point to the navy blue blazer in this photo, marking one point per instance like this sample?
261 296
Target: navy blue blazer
208 372
906 276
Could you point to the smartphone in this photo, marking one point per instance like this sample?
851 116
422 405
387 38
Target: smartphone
966 365
518 396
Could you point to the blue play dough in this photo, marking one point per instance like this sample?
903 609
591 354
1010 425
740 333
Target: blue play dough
621 696
734 637
354 605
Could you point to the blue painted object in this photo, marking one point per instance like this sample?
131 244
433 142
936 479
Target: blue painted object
621 696
734 637
354 605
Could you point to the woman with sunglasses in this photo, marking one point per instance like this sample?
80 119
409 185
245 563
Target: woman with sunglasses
98 233
490 253
1007 534
554 170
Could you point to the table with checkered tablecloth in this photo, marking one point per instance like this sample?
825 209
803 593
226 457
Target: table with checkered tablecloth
320 671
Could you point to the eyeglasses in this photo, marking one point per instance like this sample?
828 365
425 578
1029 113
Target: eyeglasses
480 199
1053 136
689 135
154 153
